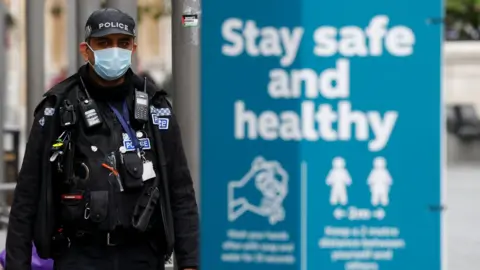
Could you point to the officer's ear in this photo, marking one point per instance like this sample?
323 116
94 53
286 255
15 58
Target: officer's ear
83 49
134 49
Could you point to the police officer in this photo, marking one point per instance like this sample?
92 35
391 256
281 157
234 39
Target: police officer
104 182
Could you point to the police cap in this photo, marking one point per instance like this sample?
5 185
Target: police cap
109 21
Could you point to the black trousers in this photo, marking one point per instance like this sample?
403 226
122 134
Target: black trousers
93 254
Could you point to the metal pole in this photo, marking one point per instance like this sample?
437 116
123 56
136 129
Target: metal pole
130 7
84 9
71 36
186 83
3 91
35 55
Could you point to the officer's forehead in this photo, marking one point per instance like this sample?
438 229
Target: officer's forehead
113 37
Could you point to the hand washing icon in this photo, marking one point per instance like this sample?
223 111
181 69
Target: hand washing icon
271 180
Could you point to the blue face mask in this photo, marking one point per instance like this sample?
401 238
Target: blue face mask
112 63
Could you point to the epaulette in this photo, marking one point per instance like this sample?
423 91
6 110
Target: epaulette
57 92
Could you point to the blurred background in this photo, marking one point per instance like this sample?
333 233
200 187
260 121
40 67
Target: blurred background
53 28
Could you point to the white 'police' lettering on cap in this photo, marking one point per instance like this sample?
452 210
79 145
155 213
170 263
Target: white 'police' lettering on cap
113 25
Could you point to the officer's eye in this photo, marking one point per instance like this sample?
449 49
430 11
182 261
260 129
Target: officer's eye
124 44
102 44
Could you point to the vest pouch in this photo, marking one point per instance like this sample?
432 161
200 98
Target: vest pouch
140 206
73 206
143 212
99 204
132 170
102 187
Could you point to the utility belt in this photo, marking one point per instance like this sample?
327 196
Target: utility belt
65 238
114 238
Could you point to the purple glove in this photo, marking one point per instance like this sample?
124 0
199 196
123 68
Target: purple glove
37 262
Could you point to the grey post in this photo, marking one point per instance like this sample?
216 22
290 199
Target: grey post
186 82
3 91
35 56
84 9
71 36
130 7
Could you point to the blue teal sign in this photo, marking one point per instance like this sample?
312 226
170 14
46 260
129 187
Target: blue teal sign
321 135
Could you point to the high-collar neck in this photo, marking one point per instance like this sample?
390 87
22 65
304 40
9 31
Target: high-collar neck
106 93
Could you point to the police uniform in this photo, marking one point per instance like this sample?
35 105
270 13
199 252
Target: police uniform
104 182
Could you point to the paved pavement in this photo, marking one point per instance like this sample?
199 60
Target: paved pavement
463 218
